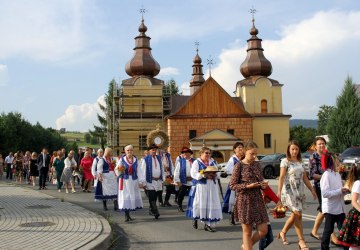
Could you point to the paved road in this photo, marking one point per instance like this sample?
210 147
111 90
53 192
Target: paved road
174 231
34 220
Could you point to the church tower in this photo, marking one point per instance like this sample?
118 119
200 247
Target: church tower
262 98
197 75
141 106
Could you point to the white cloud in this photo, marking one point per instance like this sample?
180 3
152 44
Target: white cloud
48 30
311 58
185 88
168 71
4 75
80 117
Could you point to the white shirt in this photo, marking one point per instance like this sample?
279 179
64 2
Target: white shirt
332 197
177 172
69 163
356 189
230 164
9 159
93 166
156 172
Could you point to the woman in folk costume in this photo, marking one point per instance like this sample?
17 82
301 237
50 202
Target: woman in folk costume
152 178
229 199
106 188
206 205
128 170
182 175
349 232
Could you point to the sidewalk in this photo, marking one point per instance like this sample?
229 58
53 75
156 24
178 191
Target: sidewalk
30 219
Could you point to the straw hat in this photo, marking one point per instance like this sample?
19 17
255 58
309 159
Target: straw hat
211 169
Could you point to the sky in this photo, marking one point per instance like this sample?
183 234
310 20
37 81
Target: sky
58 57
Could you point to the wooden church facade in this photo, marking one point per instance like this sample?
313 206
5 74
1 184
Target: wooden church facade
209 115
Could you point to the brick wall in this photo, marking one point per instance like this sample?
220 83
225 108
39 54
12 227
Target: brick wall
178 129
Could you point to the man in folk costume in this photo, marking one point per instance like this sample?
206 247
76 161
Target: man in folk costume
182 175
169 171
152 178
206 204
229 199
128 171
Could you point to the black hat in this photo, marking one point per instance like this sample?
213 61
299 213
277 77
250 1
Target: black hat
153 146
186 150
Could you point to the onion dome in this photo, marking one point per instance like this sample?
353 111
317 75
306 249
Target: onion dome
197 79
142 62
255 63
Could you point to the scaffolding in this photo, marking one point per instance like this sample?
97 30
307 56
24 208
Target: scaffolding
136 111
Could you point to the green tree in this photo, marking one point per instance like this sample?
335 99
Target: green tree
171 88
344 123
100 131
18 134
304 136
323 115
87 137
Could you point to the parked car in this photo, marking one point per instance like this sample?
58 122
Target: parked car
305 156
270 165
350 154
259 157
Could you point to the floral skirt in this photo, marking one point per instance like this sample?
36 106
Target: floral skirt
350 230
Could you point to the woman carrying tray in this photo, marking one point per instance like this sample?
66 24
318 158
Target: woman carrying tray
206 206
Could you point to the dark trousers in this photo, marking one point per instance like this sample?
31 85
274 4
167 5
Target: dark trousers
330 220
9 173
159 196
43 172
170 189
183 190
153 195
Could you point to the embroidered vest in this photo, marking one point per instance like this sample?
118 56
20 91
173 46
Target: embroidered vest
134 169
202 166
183 169
148 161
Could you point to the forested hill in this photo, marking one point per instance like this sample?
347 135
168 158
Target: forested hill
306 123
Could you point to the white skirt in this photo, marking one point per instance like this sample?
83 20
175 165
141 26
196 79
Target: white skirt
207 206
129 198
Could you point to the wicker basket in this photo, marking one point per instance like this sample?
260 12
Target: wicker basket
279 212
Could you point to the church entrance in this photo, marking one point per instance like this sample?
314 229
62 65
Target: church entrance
218 156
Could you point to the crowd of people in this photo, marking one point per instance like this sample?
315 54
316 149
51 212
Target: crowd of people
120 179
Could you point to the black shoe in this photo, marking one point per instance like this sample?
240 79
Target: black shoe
127 216
116 205
232 219
157 216
180 209
209 229
105 206
195 224
167 203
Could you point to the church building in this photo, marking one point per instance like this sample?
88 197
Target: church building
209 116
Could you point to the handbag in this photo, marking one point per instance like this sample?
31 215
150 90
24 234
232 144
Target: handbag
347 199
279 211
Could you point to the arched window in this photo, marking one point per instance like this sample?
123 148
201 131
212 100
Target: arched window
264 106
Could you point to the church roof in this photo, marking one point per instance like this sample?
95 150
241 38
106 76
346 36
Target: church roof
142 62
255 63
250 81
210 100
